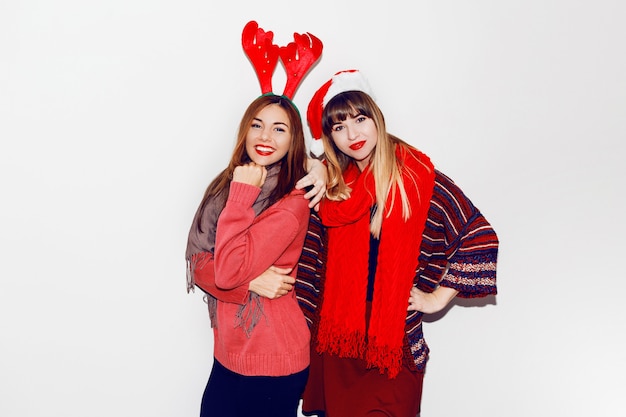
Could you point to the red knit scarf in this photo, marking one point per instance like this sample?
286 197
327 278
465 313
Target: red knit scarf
342 327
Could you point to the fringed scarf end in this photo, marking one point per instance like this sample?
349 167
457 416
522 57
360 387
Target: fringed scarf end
197 261
385 358
191 284
249 314
342 344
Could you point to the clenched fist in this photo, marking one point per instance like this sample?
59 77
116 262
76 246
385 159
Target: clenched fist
250 173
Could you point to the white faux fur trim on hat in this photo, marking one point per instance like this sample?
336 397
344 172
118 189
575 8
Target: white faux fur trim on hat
347 81
316 147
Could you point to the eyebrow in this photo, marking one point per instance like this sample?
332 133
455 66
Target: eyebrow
275 123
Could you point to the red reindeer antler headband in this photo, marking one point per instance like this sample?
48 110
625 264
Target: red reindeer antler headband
297 57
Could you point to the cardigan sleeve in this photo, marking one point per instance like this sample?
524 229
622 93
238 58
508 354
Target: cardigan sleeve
247 245
472 267
309 279
459 247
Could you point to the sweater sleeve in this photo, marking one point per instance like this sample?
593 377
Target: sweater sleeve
247 245
459 246
204 276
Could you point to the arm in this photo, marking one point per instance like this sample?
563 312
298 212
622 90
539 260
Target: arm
315 179
471 270
204 277
246 245
432 302
459 248
272 283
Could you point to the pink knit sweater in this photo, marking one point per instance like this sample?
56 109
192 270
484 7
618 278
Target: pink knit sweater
246 246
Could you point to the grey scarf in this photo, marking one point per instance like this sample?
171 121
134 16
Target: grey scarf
201 242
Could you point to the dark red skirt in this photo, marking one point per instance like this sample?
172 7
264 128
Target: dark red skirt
340 387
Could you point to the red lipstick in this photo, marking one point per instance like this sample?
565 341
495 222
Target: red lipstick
358 145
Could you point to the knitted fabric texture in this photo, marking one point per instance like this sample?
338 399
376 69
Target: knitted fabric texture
342 328
201 246
456 234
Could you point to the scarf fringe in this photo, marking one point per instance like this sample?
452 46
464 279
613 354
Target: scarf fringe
342 344
343 307
196 261
249 314
191 283
199 261
386 358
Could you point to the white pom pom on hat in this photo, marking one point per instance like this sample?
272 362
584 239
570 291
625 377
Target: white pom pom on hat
347 80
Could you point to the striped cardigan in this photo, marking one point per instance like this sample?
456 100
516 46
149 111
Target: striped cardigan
459 250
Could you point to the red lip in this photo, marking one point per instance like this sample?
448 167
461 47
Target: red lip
357 146
263 152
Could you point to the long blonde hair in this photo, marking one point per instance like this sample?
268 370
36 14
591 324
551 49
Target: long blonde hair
383 165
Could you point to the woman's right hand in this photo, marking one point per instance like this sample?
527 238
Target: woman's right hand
273 283
251 174
316 179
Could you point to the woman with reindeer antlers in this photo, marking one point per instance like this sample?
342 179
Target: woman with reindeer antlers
253 218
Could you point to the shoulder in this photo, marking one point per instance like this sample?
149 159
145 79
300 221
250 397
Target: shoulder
295 197
450 201
296 192
446 188
416 167
410 155
294 202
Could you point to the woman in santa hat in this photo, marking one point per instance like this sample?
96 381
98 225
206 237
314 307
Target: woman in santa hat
397 239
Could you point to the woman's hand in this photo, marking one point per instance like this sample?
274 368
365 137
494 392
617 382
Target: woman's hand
433 302
251 173
273 283
316 179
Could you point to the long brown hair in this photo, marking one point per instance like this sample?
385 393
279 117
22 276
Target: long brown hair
384 165
292 165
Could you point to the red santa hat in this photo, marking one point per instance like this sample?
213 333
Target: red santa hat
347 80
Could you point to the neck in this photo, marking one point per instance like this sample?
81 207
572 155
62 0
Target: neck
361 165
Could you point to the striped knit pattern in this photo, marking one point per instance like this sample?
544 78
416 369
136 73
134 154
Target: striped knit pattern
310 269
459 250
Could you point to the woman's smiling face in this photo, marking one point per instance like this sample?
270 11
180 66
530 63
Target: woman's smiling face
269 136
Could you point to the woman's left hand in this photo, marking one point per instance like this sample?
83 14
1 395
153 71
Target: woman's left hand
432 302
273 283
317 178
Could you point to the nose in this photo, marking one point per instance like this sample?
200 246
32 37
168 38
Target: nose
265 135
352 132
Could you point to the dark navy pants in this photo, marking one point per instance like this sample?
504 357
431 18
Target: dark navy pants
229 394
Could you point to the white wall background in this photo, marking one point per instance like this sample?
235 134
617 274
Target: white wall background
114 115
